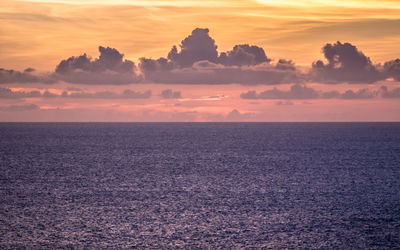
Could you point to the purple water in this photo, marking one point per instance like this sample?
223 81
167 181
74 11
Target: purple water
200 185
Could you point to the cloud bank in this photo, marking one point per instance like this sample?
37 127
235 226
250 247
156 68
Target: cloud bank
20 108
26 76
196 60
110 68
302 92
6 93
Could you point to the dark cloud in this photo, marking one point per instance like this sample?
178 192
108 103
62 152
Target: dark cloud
296 91
243 54
19 108
198 62
285 65
205 72
392 69
6 93
74 89
126 94
360 94
199 46
109 68
162 63
169 94
302 92
394 93
27 76
29 70
48 94
345 64
196 47
284 103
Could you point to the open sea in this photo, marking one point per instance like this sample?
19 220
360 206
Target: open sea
200 185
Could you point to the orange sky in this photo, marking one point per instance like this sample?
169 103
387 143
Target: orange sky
41 33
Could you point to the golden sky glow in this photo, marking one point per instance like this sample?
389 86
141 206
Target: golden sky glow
43 32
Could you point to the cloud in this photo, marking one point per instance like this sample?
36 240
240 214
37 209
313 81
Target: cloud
236 116
126 94
360 94
149 65
48 94
74 89
392 69
296 91
169 94
243 54
196 47
198 62
6 93
26 76
199 46
109 68
205 72
345 64
394 93
302 92
19 108
284 103
285 65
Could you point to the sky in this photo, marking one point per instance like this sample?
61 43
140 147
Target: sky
200 61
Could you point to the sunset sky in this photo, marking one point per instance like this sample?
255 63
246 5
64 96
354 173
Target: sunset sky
247 60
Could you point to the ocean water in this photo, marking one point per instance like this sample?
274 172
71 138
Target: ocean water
200 185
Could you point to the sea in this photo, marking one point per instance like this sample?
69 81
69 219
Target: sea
200 185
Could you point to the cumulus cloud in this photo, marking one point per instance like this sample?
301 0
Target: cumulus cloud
26 76
198 62
169 94
109 68
6 93
392 69
302 92
196 47
243 54
149 65
19 108
345 64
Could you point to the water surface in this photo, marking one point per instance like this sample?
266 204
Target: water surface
278 185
